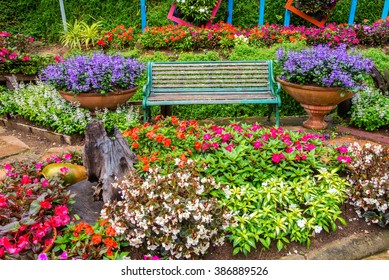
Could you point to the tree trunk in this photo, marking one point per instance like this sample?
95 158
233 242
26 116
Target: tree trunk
106 159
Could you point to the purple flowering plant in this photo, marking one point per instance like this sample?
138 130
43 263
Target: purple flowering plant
324 66
99 72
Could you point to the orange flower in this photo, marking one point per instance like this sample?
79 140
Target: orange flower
150 135
174 120
154 157
89 230
134 137
110 243
103 222
180 135
110 231
146 167
135 145
183 157
96 239
167 142
197 145
159 138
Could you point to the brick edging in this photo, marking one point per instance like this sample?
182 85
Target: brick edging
375 137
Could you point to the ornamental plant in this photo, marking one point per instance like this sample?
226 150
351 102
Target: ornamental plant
101 73
196 11
169 212
89 242
15 42
319 8
30 208
118 38
324 66
368 175
12 62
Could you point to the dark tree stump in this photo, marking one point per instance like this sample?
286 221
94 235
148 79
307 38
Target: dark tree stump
106 158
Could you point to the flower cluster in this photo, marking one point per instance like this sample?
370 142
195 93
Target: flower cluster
99 72
324 66
369 178
89 242
170 212
196 11
119 37
16 42
30 206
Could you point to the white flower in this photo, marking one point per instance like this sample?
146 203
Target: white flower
318 229
202 10
332 190
301 223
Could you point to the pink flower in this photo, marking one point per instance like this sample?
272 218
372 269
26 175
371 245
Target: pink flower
207 136
64 170
226 137
61 210
63 256
31 39
26 58
257 144
45 183
289 150
38 166
58 59
276 158
309 147
8 167
255 127
43 257
342 149
215 145
265 137
205 146
68 156
229 147
344 159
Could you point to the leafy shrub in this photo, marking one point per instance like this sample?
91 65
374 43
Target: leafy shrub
370 109
43 105
30 206
368 175
79 34
170 212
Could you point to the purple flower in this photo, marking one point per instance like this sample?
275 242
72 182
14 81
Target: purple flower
64 256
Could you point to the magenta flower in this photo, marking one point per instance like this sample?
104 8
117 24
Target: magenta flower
289 150
64 170
43 257
207 136
205 146
38 166
344 159
342 149
257 144
26 58
3 201
67 156
229 147
8 167
255 127
45 183
226 137
309 147
215 145
217 130
265 137
31 39
276 158
63 256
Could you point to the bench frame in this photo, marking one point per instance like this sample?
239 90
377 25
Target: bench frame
272 89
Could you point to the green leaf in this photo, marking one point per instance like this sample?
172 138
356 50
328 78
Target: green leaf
76 217
280 245
237 240
236 251
11 227
34 208
251 242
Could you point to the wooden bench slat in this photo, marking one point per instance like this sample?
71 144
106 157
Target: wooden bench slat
214 85
164 76
210 96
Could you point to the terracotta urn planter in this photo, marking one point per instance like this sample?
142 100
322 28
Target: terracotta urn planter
94 101
317 101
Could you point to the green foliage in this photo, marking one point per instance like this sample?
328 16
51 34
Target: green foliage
379 56
42 105
370 110
81 35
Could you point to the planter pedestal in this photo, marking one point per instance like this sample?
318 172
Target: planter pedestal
317 101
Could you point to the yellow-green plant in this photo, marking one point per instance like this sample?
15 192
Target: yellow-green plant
80 34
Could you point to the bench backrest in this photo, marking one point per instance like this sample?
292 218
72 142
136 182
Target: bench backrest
215 76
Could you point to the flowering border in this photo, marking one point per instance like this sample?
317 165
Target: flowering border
182 22
303 15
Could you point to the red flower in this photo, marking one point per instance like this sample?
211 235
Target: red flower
45 204
197 145
26 58
110 231
135 145
26 180
3 201
160 138
276 158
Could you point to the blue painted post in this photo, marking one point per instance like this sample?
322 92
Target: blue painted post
287 18
143 13
63 15
385 11
352 11
261 12
230 8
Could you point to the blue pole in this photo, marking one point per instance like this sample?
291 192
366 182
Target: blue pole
352 11
287 18
230 7
143 13
261 12
385 11
63 15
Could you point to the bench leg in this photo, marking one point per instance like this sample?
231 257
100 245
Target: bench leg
147 114
277 115
270 112
166 110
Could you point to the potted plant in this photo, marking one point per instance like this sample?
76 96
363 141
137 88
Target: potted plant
95 81
193 12
321 77
314 11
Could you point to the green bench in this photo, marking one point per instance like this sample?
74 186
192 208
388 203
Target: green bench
217 82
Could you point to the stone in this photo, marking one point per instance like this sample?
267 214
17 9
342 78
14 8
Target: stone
10 145
61 150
